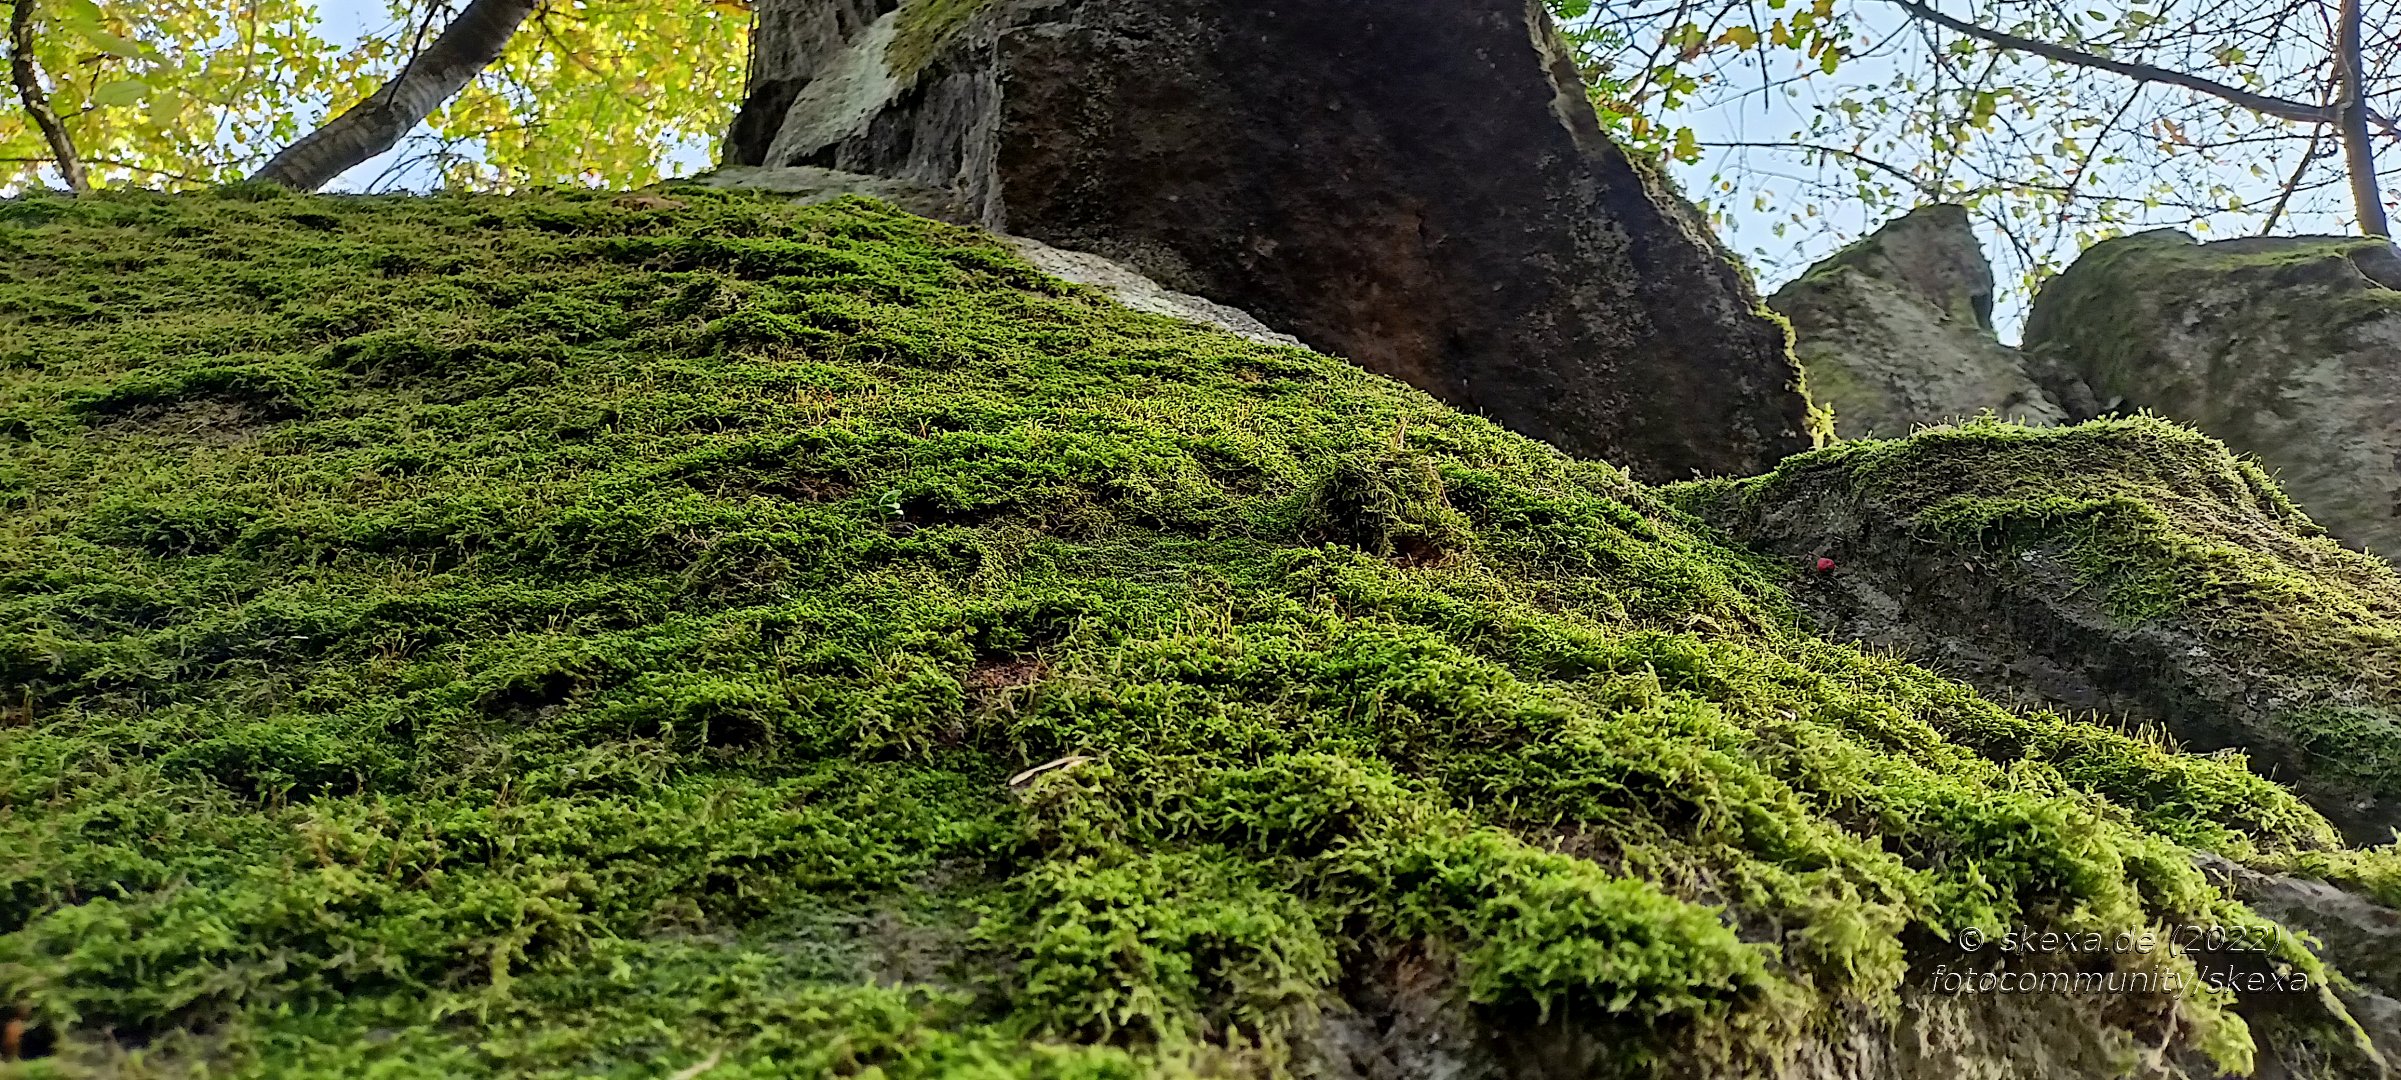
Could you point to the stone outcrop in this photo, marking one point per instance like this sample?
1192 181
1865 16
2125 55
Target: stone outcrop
1895 332
2287 348
2127 567
1418 186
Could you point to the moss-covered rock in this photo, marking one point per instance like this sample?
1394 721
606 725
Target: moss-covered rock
1895 332
2288 348
2128 566
571 635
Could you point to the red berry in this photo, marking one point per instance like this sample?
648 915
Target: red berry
1825 565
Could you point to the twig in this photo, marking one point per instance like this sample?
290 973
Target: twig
1924 187
2286 197
693 1072
112 163
2085 166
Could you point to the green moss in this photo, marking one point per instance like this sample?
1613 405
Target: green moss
546 636
2163 520
2163 527
926 28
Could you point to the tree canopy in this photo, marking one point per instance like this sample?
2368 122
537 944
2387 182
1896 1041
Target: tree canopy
2056 123
184 92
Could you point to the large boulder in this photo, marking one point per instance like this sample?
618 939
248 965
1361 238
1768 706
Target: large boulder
2127 567
1419 186
1895 332
2287 348
582 634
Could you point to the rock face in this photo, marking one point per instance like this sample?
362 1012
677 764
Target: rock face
1895 332
1419 186
2286 348
2127 567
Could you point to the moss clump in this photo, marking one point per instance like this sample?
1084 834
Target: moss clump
2165 535
596 637
1387 505
926 28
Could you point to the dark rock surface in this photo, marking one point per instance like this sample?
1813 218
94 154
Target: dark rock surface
2287 348
1419 186
1895 332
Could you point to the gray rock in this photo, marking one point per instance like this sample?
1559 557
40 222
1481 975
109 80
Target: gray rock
1418 185
1141 293
2288 348
1895 332
813 185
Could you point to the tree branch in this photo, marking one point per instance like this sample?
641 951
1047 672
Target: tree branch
2352 120
1926 188
464 48
2285 198
37 104
2297 111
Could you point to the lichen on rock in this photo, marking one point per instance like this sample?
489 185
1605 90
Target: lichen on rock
2283 347
1895 332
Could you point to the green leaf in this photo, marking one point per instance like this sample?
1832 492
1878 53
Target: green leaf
120 92
111 43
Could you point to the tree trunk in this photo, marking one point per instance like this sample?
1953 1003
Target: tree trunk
37 104
2358 155
467 46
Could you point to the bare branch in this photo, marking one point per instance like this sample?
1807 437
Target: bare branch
462 51
1927 188
2297 111
2285 197
37 104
